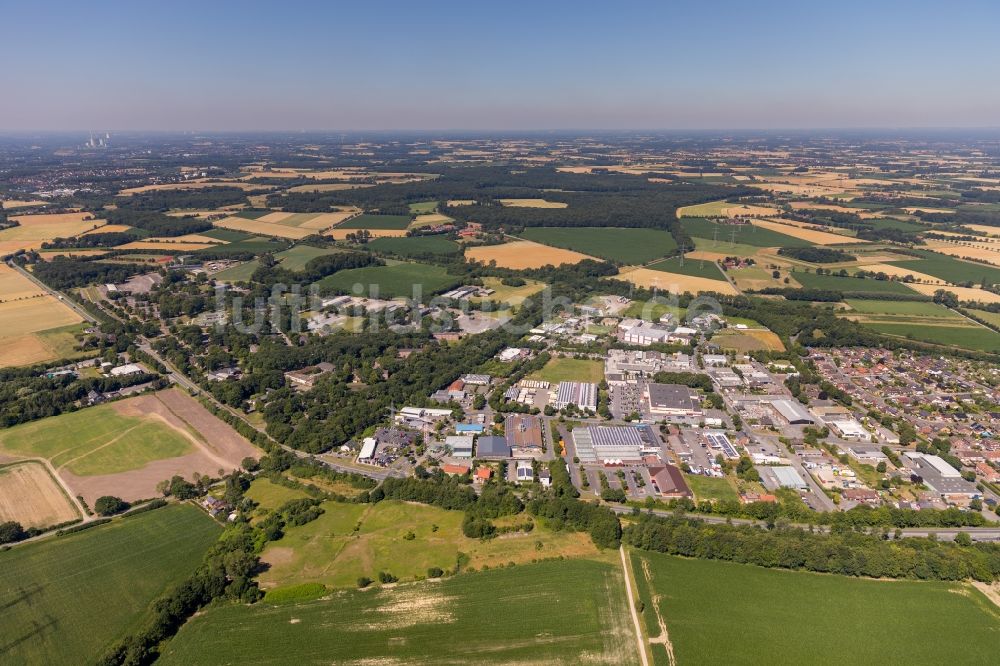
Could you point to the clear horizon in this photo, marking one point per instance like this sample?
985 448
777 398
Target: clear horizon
519 67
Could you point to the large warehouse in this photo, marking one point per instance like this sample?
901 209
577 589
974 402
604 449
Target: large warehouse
672 401
581 394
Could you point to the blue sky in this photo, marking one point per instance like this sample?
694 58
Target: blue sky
214 65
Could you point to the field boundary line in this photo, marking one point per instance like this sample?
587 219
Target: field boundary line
640 641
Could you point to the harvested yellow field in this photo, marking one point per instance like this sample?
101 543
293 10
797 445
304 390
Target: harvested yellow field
460 202
798 190
262 228
674 282
809 205
533 203
341 234
811 235
33 315
902 272
725 209
706 255
48 255
192 185
166 247
107 229
748 340
913 209
523 254
14 286
30 496
34 229
989 253
12 246
16 203
963 293
984 229
327 220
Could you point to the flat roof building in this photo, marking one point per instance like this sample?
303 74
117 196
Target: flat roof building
792 412
581 394
672 401
492 447
524 435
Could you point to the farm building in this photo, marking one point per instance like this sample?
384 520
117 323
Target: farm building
581 394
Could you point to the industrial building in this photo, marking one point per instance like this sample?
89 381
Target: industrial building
669 482
492 447
672 401
581 394
792 412
460 445
524 435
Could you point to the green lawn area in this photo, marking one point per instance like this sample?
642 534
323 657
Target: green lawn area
626 246
369 221
413 246
652 311
61 342
693 267
711 488
395 279
66 599
913 308
271 495
423 207
791 617
238 273
571 370
560 612
974 336
329 550
951 269
296 258
96 440
746 234
850 284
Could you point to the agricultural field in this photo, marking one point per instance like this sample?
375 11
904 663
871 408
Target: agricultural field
992 318
704 268
748 340
125 448
394 279
850 284
951 269
710 488
533 203
861 621
369 221
743 234
964 293
33 230
415 245
652 310
563 369
525 614
674 282
965 334
724 247
980 252
271 495
67 599
30 496
33 322
296 258
523 254
903 308
624 246
236 223
423 207
807 235
725 209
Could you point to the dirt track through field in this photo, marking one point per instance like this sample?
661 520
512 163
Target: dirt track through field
635 615
655 599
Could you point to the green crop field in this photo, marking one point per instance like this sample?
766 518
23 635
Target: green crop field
893 223
951 269
746 234
296 258
626 246
93 441
253 214
563 612
66 599
423 207
397 279
252 245
791 617
352 540
725 246
910 308
992 318
571 370
239 273
973 336
368 221
711 488
410 246
693 267
850 284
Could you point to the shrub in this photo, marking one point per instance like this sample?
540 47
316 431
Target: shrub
109 505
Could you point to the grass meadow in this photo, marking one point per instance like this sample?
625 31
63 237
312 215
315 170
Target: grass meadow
392 280
694 267
558 612
951 269
571 370
850 284
66 599
710 488
973 336
414 246
725 613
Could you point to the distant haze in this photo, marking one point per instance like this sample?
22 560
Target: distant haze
503 65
